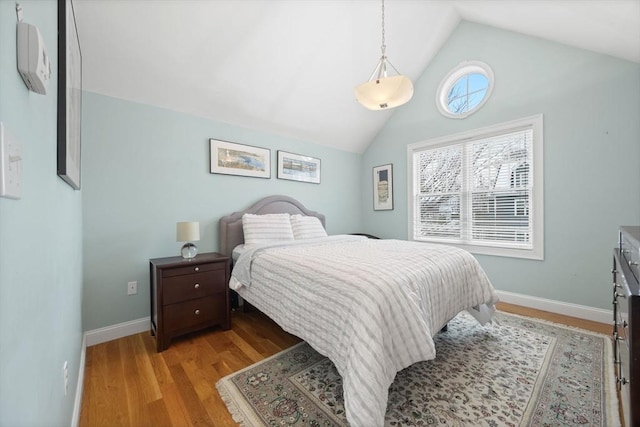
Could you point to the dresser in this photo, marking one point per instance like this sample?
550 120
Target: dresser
188 295
626 322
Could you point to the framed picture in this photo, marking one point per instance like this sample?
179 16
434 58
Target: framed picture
229 158
383 188
69 95
298 168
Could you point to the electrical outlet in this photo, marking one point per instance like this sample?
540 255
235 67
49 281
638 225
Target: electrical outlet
132 288
65 377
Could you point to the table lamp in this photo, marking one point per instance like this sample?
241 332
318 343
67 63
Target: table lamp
188 232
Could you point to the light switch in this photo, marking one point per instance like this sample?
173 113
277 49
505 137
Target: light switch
10 165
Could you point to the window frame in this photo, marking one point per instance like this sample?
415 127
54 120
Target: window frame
460 70
537 190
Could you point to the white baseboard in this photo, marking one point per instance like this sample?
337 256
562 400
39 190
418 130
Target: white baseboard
559 307
77 405
113 332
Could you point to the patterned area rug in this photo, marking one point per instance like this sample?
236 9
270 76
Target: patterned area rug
514 372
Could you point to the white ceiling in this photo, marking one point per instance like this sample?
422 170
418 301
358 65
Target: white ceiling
288 67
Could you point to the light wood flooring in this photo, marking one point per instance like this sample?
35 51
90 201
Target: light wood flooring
127 383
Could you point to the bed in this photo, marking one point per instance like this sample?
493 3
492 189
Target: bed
371 306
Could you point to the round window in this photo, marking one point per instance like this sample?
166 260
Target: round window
465 89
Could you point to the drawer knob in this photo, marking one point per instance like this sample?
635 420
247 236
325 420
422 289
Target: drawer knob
619 295
197 285
197 312
196 268
622 381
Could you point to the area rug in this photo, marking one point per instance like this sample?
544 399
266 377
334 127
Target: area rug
513 372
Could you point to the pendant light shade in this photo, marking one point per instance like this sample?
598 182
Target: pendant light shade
382 91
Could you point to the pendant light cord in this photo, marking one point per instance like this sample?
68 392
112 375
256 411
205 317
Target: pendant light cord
383 46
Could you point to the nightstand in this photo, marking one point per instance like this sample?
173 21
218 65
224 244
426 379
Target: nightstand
188 295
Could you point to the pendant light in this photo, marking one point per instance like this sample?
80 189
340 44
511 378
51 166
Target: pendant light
382 92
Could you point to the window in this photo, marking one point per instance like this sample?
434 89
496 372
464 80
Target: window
465 89
480 190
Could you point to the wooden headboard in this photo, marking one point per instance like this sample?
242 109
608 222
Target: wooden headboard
231 234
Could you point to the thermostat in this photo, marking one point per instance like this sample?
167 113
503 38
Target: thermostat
33 61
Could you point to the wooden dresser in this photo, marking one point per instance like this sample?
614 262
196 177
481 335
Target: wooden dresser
626 322
188 295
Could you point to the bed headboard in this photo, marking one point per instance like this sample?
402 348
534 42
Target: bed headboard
231 234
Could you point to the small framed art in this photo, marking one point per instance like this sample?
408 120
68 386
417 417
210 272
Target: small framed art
298 168
230 158
383 188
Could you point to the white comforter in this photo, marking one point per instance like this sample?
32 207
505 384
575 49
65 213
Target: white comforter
371 306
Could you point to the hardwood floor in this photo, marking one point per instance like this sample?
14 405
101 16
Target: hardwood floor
127 383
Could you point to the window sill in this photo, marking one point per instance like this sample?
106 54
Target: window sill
533 254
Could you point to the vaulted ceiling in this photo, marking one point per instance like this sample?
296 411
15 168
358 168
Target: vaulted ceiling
288 67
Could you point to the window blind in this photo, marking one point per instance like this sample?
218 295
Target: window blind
478 191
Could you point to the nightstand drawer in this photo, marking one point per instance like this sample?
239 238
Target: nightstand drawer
191 269
185 315
191 286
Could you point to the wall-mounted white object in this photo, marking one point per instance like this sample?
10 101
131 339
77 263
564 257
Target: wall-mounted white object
33 62
10 165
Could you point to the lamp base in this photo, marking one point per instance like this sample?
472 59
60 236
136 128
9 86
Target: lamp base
189 251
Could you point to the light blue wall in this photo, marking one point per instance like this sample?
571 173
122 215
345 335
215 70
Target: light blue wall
146 168
40 246
591 108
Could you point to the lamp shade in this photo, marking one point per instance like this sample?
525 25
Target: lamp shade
384 93
188 231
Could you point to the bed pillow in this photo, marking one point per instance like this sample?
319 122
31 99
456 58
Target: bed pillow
307 227
266 228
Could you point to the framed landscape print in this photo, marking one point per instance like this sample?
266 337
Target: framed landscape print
296 167
230 158
69 95
383 188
